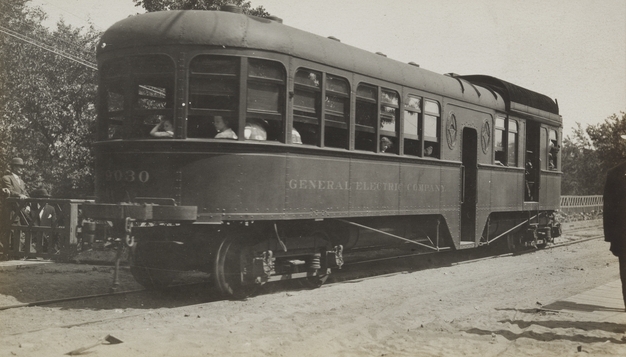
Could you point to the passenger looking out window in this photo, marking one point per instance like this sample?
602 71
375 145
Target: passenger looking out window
295 137
385 144
431 124
222 125
164 129
500 155
428 151
255 130
553 150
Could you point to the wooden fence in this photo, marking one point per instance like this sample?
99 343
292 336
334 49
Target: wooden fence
21 236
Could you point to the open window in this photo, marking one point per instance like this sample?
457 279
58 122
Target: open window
213 91
337 112
266 97
499 142
389 116
553 150
412 111
431 131
366 117
512 143
306 105
137 94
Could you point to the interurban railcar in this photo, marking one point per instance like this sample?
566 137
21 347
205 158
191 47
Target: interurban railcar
336 148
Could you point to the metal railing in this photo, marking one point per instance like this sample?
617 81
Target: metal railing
581 204
23 236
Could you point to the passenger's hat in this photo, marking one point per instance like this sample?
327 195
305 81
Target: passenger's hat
623 136
385 139
17 162
40 193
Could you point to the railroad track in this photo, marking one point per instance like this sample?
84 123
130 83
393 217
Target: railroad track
337 277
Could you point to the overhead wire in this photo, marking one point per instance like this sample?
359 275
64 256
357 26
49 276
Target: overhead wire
48 48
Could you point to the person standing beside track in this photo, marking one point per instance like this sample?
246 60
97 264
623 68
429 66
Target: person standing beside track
614 217
12 186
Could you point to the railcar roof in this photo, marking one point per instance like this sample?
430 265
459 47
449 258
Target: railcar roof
515 93
218 28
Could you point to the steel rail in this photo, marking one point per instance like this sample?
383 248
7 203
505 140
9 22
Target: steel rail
85 297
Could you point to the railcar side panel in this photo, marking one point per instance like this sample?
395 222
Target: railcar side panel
374 187
127 177
319 184
550 185
228 186
506 190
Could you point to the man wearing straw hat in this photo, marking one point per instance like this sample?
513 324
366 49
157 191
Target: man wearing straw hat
614 216
12 184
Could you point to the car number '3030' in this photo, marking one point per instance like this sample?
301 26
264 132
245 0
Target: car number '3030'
127 176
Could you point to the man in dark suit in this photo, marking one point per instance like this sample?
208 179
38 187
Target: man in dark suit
614 217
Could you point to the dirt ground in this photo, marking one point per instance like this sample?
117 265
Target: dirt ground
449 306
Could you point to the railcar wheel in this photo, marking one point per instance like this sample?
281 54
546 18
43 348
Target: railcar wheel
230 268
146 271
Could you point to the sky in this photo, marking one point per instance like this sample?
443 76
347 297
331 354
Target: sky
573 51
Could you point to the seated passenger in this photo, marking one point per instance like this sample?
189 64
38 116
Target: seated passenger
255 130
385 144
164 129
223 128
428 151
295 137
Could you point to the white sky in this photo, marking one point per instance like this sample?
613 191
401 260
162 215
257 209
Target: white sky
571 50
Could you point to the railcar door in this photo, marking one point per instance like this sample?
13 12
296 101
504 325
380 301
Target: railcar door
469 172
532 161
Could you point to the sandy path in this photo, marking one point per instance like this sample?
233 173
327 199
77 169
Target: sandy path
482 308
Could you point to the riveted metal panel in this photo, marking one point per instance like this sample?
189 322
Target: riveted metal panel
374 186
505 189
422 188
235 184
317 186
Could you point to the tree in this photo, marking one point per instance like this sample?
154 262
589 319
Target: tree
608 141
163 5
580 165
591 153
47 100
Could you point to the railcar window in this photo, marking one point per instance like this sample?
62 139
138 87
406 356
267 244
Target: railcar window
553 150
213 91
500 156
512 144
412 111
431 131
137 92
389 113
366 117
337 109
266 97
306 105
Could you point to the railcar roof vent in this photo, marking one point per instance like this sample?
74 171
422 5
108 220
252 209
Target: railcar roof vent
334 38
276 19
381 54
414 64
231 8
